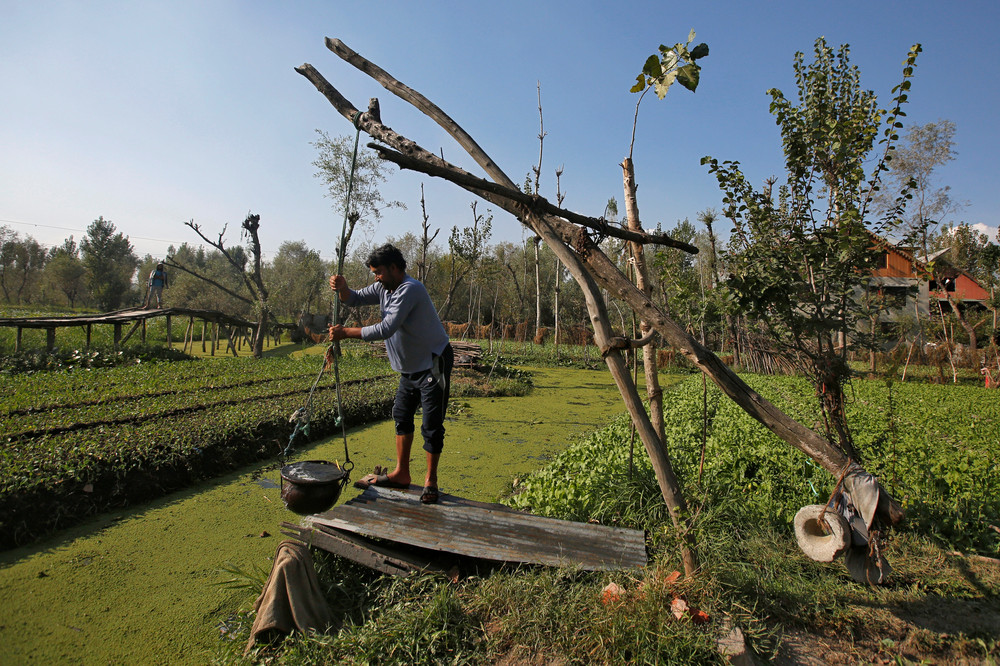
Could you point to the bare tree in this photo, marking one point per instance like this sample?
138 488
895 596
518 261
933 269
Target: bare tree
466 247
425 240
560 197
253 278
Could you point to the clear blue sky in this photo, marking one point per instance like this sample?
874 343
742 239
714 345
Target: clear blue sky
153 113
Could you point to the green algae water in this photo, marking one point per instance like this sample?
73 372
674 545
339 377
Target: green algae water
148 585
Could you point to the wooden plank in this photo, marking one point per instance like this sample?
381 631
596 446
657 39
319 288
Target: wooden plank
360 550
484 531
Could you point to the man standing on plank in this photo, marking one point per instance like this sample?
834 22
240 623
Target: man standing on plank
418 349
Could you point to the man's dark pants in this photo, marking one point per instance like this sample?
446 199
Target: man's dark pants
429 389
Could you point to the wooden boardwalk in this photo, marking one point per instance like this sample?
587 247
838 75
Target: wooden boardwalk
391 531
233 329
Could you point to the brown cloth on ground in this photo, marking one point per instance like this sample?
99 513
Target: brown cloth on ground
291 598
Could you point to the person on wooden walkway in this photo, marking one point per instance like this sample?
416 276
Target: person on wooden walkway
419 350
157 281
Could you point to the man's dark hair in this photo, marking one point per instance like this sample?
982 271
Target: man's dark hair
387 255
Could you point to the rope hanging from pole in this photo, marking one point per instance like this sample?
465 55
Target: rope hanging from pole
301 416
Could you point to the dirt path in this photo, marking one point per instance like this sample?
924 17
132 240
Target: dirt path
146 586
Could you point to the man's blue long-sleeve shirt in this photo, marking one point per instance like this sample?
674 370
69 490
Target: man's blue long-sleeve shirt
410 325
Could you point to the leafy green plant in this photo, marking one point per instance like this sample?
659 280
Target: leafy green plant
800 259
939 460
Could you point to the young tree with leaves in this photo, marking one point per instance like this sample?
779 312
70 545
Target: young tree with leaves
466 248
679 64
333 163
801 262
110 261
65 273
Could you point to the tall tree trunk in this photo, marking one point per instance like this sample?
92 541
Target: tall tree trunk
453 281
668 482
538 287
963 322
653 391
555 308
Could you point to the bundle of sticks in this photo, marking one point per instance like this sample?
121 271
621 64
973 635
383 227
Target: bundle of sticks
467 354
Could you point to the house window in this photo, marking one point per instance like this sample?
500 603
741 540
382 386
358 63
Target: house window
883 261
944 284
895 297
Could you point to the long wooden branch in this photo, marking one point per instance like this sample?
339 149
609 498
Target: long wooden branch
534 202
502 186
170 261
427 107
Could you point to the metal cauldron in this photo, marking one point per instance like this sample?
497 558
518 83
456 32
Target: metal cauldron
312 486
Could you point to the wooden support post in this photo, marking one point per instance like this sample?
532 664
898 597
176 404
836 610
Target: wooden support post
142 333
204 325
215 336
118 330
188 335
118 335
232 343
17 341
169 341
50 338
87 344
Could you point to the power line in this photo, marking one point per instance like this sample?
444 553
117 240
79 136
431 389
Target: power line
265 253
83 231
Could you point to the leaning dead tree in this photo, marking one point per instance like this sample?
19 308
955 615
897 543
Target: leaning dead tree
253 279
575 239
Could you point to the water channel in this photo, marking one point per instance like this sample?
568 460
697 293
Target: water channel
147 585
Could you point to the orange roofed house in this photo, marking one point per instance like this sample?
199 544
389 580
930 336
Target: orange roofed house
901 271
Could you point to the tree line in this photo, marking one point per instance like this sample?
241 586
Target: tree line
469 278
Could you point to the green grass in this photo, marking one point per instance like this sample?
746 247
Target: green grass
933 446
